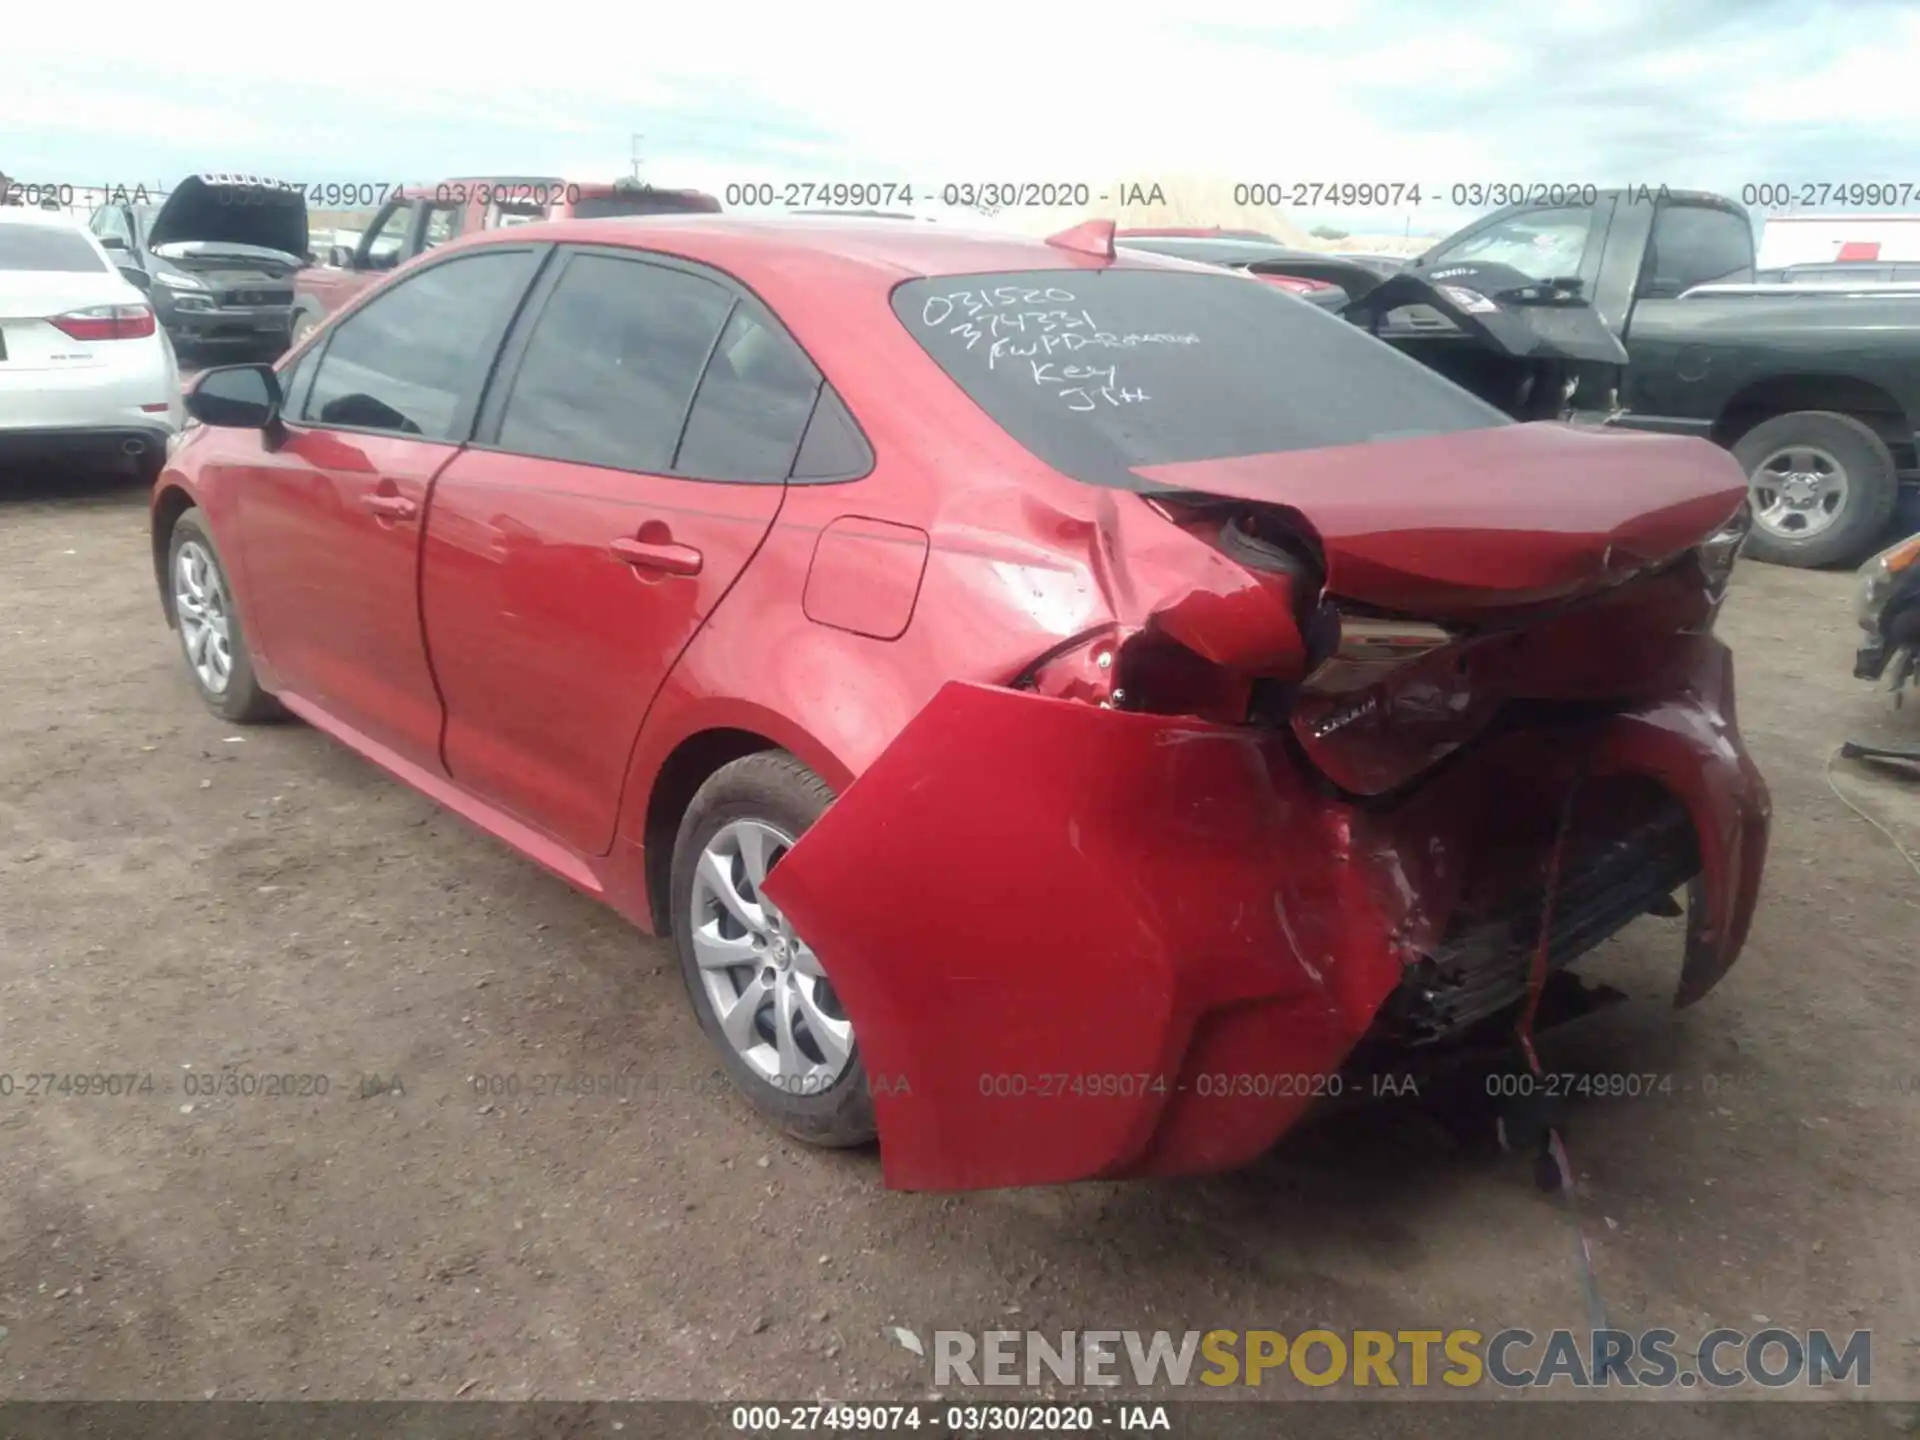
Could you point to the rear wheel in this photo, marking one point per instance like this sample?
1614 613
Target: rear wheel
211 636
760 993
1823 487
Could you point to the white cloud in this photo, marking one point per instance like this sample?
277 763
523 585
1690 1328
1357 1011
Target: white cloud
1608 91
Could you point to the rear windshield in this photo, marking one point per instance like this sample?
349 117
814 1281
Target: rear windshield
1098 372
641 202
47 247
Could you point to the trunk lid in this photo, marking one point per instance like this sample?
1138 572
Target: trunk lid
1481 523
243 210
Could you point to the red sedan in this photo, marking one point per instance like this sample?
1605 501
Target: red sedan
1067 709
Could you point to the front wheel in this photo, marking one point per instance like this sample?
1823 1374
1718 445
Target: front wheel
1823 487
760 993
211 635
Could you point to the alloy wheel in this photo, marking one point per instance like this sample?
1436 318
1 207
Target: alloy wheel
206 618
773 1002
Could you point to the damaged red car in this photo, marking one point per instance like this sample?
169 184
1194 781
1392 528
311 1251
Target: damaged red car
1059 703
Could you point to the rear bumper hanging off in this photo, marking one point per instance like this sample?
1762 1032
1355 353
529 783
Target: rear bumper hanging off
1086 943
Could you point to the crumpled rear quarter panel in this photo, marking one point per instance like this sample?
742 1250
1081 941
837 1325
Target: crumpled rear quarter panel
1079 943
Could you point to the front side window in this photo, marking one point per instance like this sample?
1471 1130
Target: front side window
443 223
1102 372
112 223
412 358
388 238
612 364
1540 244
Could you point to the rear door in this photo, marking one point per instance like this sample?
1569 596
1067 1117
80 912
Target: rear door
330 518
629 461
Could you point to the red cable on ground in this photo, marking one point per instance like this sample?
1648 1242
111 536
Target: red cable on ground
1523 1032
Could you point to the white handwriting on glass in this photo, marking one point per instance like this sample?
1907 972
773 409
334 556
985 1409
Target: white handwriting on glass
1079 398
938 309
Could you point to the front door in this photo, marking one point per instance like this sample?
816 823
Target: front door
330 519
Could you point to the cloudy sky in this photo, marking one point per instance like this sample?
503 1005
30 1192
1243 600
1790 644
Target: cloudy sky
1708 93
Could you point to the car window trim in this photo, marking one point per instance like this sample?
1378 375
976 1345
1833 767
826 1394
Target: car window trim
700 383
291 404
507 368
820 399
466 416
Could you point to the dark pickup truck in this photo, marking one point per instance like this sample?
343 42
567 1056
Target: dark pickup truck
1641 310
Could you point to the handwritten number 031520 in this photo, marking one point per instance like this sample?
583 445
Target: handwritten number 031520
939 309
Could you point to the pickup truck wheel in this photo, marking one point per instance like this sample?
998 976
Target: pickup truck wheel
761 995
1823 487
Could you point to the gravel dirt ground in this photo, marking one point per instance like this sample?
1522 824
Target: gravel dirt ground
178 896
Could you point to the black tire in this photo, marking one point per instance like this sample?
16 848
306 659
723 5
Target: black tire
1873 487
775 789
242 700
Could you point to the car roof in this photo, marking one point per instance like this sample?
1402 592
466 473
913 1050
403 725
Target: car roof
773 249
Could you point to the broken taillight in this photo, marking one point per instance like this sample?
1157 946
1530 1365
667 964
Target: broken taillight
1144 671
1370 649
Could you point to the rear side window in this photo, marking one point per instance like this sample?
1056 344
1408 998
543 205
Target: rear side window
48 247
1100 372
412 359
1696 245
833 448
752 405
612 364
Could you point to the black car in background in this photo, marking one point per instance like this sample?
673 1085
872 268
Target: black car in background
217 256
